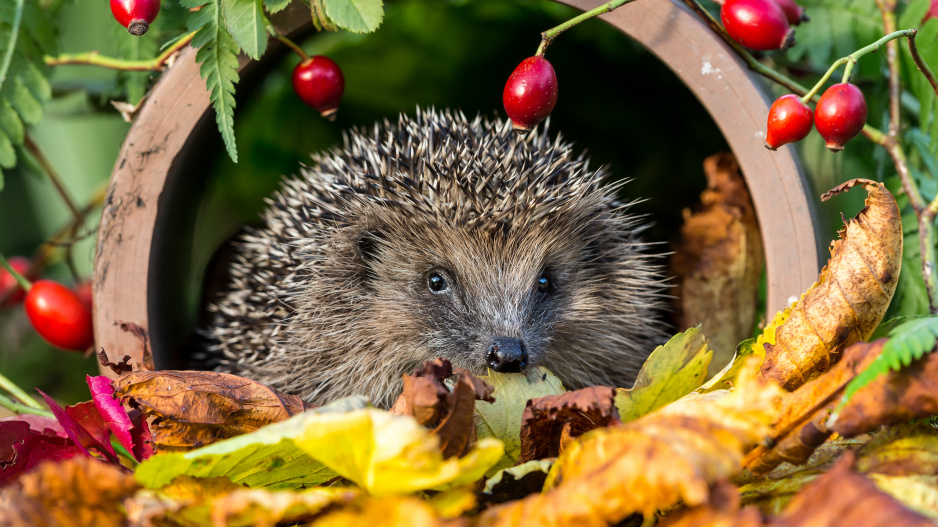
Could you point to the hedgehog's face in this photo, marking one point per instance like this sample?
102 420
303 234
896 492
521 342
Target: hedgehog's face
503 299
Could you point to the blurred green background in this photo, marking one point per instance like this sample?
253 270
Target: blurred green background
616 101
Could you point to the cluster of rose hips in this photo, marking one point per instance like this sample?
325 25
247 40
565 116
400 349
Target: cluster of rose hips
839 117
59 314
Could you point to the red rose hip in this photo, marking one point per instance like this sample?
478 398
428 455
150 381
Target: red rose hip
932 11
59 316
793 12
135 15
757 24
530 93
790 120
318 81
840 115
7 282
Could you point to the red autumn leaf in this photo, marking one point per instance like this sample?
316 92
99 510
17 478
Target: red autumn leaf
116 418
40 423
22 448
84 426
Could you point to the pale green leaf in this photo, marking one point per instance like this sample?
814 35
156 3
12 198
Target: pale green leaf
274 6
670 372
218 56
502 419
357 16
10 123
245 21
25 103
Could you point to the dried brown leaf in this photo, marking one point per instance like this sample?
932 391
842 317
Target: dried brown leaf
897 397
718 261
671 455
799 425
843 496
195 408
78 492
448 412
549 423
851 295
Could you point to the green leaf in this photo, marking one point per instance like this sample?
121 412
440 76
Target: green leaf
245 21
218 56
381 452
670 372
357 16
502 419
274 6
131 47
907 343
26 35
837 28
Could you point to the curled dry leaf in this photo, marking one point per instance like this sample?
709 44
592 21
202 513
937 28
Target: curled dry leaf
73 493
851 296
905 450
448 413
196 408
668 456
842 496
549 423
718 261
516 482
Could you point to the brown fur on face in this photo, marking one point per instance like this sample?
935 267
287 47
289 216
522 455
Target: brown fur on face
331 297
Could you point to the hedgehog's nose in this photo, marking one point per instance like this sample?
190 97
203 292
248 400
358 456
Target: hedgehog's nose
506 355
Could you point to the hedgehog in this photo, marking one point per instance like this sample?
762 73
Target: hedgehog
439 236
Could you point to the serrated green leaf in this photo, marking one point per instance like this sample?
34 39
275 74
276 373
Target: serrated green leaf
837 28
357 16
219 65
25 103
502 419
7 154
274 6
245 21
670 372
10 123
907 343
33 78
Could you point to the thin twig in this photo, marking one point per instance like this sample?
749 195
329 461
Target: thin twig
548 36
93 58
926 71
292 45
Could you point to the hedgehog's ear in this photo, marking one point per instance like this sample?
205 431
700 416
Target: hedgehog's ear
368 245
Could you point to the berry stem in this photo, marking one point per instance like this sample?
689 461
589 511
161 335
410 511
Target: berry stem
93 58
24 283
851 60
19 394
20 408
11 44
292 45
548 36
926 71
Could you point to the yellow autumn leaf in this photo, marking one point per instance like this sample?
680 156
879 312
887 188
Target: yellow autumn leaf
391 454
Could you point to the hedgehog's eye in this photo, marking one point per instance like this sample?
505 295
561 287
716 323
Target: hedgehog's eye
544 285
437 283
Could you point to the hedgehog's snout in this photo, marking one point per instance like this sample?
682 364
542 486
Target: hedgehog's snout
506 355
